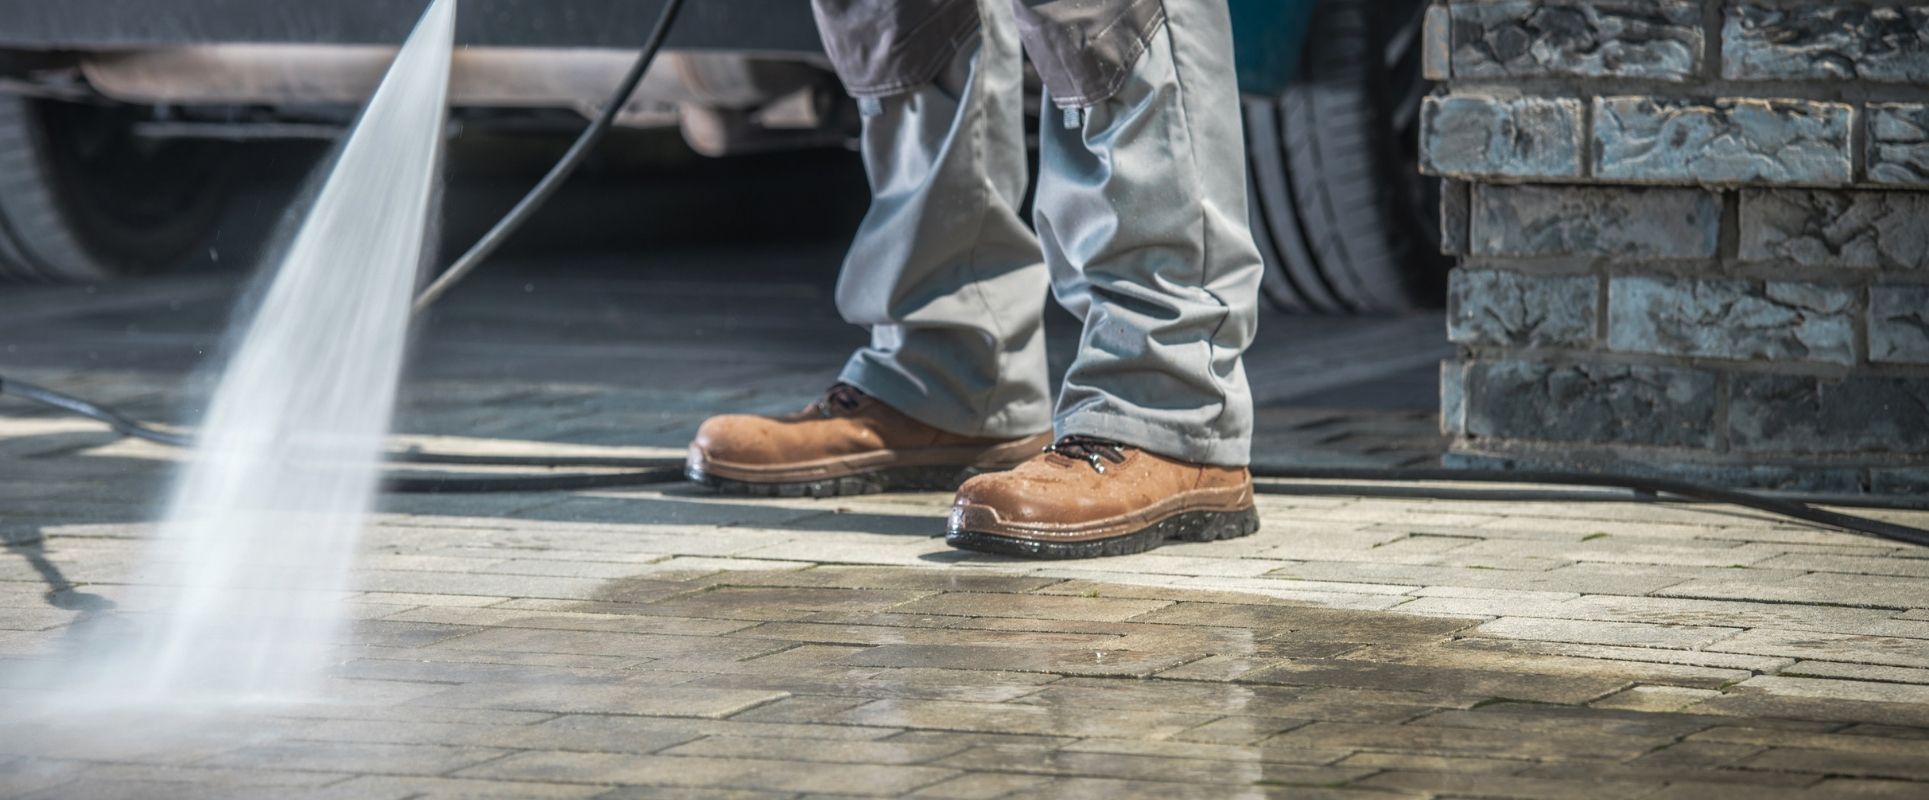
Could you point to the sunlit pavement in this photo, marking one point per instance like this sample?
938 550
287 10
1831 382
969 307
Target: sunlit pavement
662 642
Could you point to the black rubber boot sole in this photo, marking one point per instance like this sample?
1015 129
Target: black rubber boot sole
896 479
1196 526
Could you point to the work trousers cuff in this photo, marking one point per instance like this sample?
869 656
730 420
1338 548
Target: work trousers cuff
918 402
1195 446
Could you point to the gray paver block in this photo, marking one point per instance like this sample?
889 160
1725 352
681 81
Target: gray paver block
1627 634
1618 222
1479 136
1586 402
1899 142
1899 324
1729 141
1732 319
1600 38
1790 413
1881 42
1821 228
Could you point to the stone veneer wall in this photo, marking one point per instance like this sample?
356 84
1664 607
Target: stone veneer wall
1694 236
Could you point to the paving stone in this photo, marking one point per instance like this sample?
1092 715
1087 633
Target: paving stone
1815 228
1869 590
1512 308
1637 550
1241 730
1815 699
347 757
1082 661
1108 789
1616 222
1209 751
980 786
1899 324
1506 786
1412 762
1480 136
1025 719
607 768
385 786
1899 143
1732 319
1825 41
1763 738
567 621
1500 655
844 752
1731 613
1789 413
1452 742
664 623
1185 771
1444 680
893 634
1625 634
1101 609
644 699
1590 402
1654 698
1853 565
1605 38
1888 650
1856 672
1836 762
1729 141
1693 658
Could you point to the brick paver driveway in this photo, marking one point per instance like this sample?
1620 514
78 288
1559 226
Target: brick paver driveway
663 643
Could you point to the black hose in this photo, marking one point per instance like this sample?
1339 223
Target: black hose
514 220
656 471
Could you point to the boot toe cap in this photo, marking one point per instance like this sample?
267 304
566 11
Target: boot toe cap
735 438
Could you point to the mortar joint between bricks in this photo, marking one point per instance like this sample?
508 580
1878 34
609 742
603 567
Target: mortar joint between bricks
1859 143
1707 93
1724 392
1713 23
1728 236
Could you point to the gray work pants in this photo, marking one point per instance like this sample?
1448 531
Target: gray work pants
1140 217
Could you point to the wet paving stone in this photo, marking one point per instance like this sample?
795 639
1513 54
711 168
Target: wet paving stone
658 642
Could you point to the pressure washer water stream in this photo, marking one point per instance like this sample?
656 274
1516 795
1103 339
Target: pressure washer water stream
253 557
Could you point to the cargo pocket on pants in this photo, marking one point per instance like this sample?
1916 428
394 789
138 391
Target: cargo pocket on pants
886 47
1085 49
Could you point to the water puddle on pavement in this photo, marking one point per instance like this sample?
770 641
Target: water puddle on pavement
970 683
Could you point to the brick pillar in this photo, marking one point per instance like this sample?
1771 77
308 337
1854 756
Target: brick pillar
1694 237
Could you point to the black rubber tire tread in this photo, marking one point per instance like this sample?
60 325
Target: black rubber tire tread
1293 280
45 236
1332 197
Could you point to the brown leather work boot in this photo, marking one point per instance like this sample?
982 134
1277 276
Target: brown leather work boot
1086 497
846 443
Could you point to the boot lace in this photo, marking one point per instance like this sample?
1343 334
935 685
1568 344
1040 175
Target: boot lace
1089 449
840 399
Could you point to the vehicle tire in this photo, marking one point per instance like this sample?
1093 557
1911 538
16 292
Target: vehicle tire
82 198
1343 216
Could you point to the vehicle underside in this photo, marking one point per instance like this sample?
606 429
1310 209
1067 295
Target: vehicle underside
121 120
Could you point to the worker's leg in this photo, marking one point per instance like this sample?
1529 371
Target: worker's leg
1142 212
943 271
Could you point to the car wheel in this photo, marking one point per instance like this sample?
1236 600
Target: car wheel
82 198
1343 217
